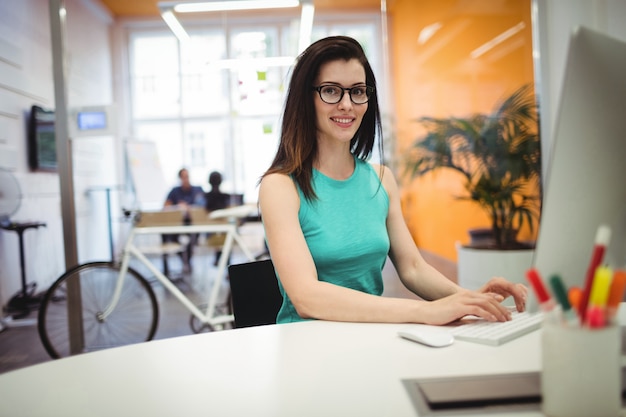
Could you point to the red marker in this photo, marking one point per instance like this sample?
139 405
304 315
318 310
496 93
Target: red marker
545 301
603 236
595 317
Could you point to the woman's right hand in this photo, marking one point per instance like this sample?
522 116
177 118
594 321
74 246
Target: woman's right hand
453 307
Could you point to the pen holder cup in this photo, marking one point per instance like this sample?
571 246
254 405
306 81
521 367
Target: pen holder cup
581 371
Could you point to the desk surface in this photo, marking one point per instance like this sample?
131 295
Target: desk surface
304 369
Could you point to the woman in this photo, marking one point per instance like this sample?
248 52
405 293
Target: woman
331 218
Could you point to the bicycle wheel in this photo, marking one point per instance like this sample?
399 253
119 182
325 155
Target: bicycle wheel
133 320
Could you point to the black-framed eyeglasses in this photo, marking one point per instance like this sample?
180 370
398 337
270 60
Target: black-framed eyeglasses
333 94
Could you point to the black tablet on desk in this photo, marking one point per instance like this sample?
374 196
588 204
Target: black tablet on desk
479 395
475 394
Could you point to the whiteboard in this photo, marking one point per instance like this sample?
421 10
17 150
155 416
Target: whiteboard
146 174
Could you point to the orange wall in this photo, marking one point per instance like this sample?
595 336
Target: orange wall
439 78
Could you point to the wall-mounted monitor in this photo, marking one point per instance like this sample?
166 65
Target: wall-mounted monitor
42 149
91 121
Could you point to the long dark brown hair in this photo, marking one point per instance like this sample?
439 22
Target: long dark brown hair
298 139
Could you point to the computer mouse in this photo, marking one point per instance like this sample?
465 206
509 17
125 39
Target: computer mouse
427 337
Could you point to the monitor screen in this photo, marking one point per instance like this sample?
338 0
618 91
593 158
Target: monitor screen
90 120
585 185
42 150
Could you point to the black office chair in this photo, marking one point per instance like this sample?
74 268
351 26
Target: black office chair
254 292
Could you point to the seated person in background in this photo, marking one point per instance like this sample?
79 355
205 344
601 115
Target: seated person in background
215 199
183 196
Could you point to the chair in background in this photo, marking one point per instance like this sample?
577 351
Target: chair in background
160 248
215 241
254 291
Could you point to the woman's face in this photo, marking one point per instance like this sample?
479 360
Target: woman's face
340 121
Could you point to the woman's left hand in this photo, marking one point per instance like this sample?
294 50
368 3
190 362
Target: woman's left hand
503 288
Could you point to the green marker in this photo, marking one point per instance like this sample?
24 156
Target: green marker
560 292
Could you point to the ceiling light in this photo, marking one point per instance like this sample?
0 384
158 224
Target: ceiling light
169 7
216 6
175 25
247 63
306 26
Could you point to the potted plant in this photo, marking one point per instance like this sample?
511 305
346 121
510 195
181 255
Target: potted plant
499 158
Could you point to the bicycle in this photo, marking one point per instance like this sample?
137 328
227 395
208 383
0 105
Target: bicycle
104 304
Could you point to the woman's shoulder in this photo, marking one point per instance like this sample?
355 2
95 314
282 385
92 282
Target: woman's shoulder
275 179
278 192
277 184
385 176
380 169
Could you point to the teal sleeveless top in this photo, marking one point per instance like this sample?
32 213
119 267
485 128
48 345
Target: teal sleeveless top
345 230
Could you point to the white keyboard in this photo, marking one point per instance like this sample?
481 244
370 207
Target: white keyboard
497 333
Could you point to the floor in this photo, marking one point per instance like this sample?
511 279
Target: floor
20 345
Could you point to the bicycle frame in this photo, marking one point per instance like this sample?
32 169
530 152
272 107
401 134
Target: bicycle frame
130 249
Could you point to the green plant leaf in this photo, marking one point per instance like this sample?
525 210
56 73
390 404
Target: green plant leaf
498 154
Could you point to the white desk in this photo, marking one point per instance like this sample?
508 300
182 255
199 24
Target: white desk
315 368
319 369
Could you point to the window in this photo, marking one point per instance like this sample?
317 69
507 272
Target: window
214 103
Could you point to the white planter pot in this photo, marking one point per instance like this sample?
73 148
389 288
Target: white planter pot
477 266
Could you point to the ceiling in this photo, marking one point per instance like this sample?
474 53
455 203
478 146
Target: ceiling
149 8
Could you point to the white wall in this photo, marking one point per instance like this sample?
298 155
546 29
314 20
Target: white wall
554 20
25 79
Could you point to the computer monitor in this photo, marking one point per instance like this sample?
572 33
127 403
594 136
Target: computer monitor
586 178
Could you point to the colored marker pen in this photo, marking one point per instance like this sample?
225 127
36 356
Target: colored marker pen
573 295
603 236
559 291
596 314
616 294
546 303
